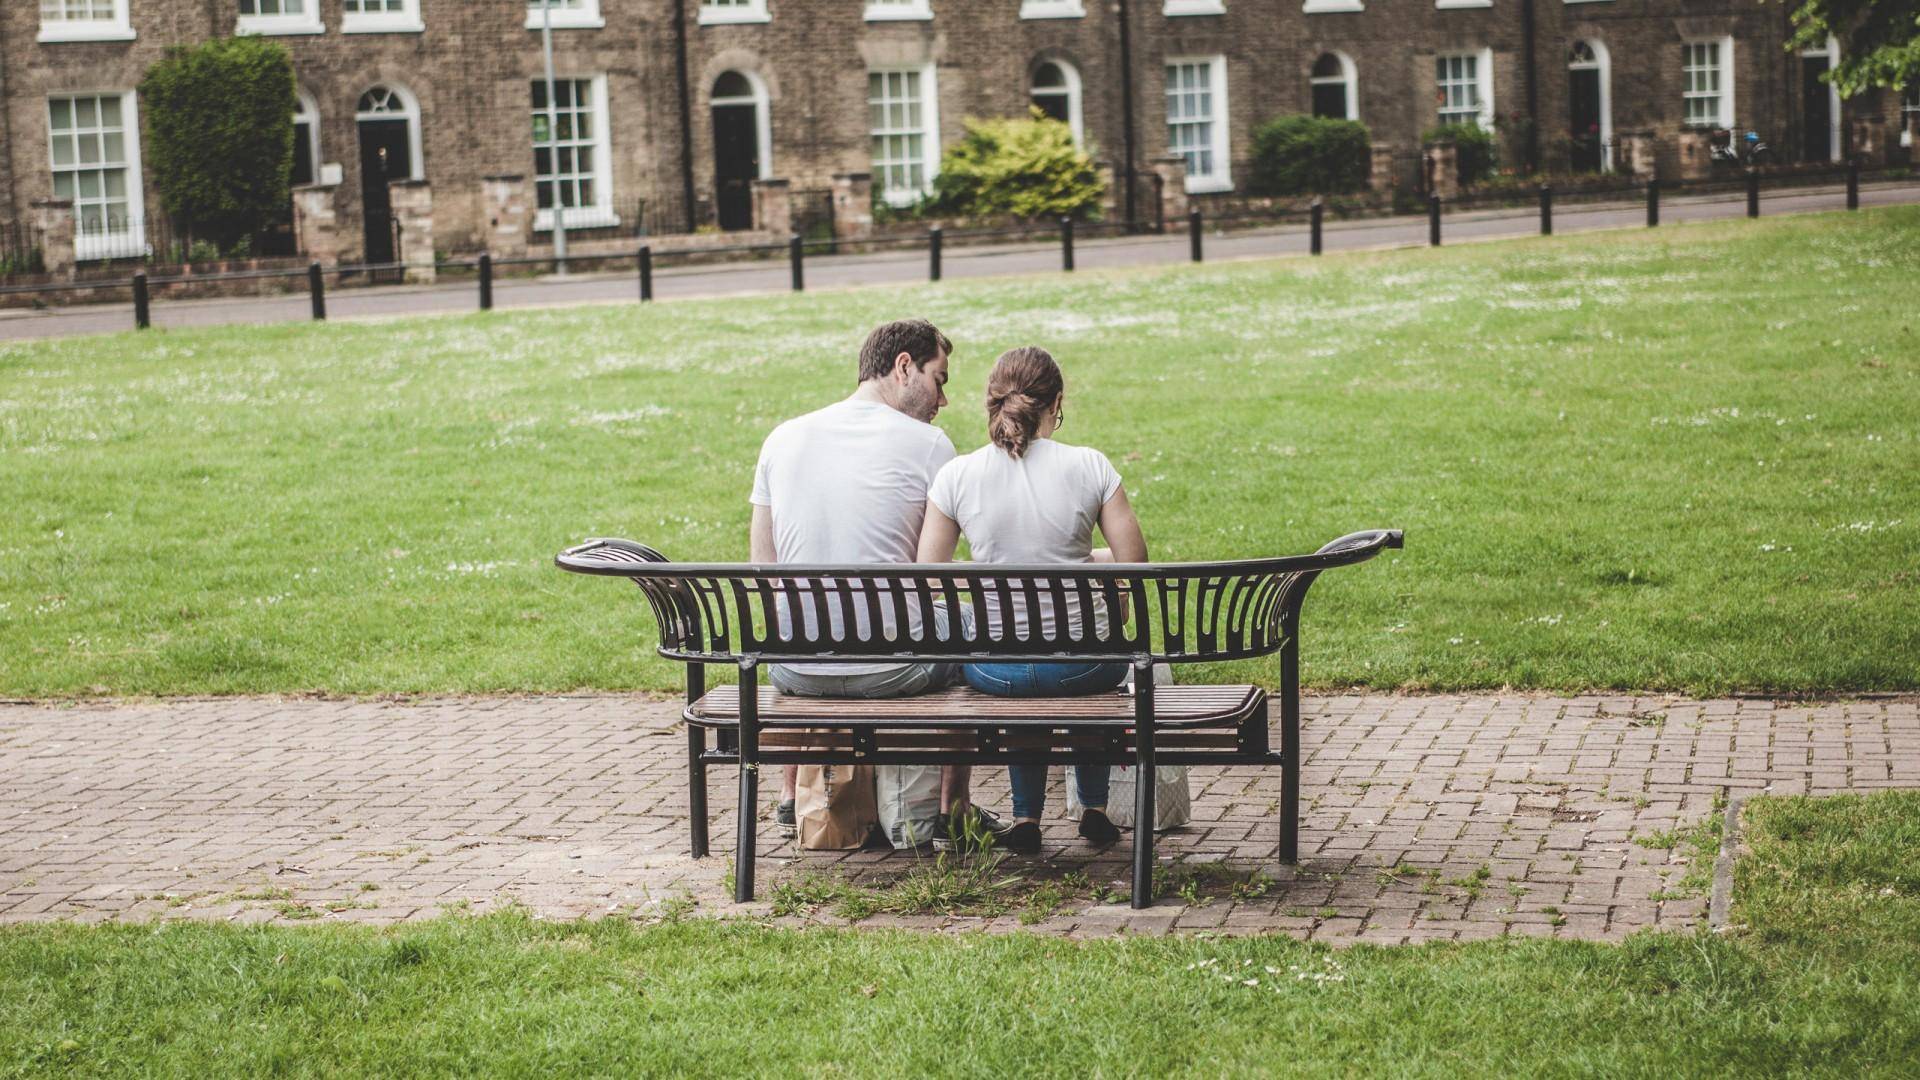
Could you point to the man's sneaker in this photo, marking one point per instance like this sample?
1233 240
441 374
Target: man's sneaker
1097 827
1023 838
979 830
784 820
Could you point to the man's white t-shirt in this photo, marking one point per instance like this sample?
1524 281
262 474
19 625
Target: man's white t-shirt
848 484
1040 507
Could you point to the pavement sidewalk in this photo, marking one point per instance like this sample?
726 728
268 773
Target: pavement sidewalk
267 809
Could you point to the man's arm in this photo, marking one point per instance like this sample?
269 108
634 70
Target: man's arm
760 536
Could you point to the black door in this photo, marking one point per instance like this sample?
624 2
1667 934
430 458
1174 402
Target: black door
736 163
1817 110
384 157
1583 121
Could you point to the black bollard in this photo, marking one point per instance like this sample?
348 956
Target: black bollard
1433 220
1313 218
934 239
1853 183
795 256
1193 233
142 310
646 272
1546 210
1653 203
1066 244
1753 193
317 291
486 281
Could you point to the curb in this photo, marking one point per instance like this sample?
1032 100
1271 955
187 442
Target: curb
1722 899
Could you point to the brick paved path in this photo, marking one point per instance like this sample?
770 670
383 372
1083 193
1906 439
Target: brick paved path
256 809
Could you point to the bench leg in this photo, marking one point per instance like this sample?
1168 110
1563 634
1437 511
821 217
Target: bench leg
1290 741
1143 785
697 789
749 783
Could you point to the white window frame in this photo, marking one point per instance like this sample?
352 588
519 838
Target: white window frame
1483 85
600 215
1194 7
1331 7
1349 75
306 22
714 13
1445 5
584 17
1221 179
405 21
1727 114
118 28
1603 63
410 112
762 120
111 245
929 133
1831 50
899 11
1909 111
1052 9
1072 93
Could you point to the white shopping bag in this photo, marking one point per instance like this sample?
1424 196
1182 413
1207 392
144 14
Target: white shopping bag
909 800
1172 799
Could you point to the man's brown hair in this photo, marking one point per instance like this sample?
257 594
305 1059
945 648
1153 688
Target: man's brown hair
915 337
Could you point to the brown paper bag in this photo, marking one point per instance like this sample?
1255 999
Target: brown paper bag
834 806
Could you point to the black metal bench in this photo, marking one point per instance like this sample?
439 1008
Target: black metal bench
1177 613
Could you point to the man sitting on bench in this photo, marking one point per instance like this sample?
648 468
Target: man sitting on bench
848 484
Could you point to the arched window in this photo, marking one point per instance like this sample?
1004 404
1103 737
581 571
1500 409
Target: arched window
395 103
306 139
1909 115
1336 91
1056 92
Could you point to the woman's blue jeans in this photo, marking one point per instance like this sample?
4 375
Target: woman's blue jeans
1049 680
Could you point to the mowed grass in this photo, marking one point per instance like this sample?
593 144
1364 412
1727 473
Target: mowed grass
1822 977
1679 459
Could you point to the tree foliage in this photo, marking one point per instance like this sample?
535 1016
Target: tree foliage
219 136
1027 167
1310 155
1879 40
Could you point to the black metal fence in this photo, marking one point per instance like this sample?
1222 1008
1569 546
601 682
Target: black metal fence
19 249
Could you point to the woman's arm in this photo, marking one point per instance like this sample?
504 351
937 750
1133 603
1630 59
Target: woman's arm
939 535
1118 525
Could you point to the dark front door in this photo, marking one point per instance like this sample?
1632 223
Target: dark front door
384 158
1583 121
1817 110
736 163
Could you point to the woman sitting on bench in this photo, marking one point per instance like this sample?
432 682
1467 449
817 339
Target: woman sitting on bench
1025 498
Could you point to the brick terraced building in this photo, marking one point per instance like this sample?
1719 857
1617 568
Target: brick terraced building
739 114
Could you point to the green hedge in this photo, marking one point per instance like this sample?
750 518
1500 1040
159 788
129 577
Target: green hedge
219 136
1310 155
1478 153
1026 167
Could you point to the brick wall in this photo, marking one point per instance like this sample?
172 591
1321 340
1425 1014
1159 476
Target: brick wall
471 68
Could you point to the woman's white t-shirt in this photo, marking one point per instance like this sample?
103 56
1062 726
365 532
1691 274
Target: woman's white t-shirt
1037 508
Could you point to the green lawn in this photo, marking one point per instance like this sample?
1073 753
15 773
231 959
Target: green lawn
1822 979
1673 459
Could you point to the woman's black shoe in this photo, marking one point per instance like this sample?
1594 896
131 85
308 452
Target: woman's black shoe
1023 837
1097 827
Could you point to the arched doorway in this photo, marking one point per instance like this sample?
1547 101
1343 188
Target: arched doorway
1819 104
1056 92
741 137
1589 108
389 121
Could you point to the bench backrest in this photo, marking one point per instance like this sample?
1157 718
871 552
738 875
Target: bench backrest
1177 612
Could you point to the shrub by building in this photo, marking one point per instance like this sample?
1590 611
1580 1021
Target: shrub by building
1025 168
1474 145
1310 155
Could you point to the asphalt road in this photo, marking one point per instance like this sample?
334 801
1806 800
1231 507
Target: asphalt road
910 266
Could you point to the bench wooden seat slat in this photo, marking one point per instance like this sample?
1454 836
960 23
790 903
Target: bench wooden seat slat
937 740
1173 707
